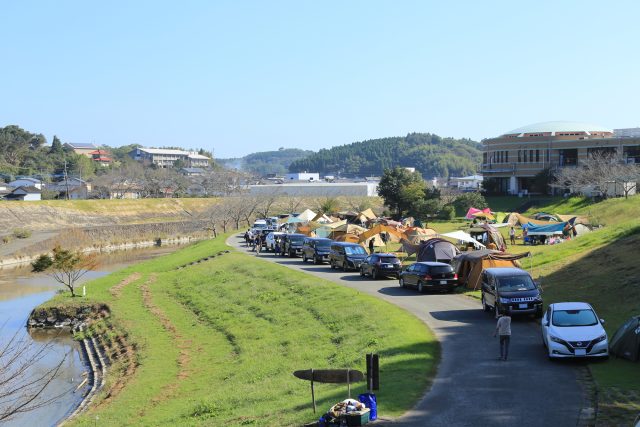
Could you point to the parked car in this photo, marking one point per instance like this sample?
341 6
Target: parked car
347 256
436 276
510 290
316 249
271 240
378 265
572 329
292 244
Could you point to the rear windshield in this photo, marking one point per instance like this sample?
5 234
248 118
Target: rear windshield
441 270
584 317
354 250
389 259
323 244
516 283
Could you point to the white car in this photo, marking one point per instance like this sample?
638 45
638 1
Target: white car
572 329
271 240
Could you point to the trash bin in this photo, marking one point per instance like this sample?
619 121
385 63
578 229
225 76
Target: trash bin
369 400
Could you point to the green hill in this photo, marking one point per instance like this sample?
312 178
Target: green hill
430 154
267 162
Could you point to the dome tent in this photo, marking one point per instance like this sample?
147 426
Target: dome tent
626 341
438 250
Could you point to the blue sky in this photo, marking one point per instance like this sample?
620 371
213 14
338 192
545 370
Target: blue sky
238 77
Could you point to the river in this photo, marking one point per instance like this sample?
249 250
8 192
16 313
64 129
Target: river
20 292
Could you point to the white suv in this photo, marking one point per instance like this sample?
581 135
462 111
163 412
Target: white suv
572 329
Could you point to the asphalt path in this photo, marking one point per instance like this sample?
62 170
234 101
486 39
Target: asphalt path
472 387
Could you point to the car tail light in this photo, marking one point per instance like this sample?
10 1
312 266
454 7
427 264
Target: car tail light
427 277
455 276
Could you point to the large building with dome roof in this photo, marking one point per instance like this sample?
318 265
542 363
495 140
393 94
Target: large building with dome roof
513 159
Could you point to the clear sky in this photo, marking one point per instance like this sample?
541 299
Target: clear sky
238 77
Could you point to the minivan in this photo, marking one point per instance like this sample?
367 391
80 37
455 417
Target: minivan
316 249
347 256
432 276
510 290
292 244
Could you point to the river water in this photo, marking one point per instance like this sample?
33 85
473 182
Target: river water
20 292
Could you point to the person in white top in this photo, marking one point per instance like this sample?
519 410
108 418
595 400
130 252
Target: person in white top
503 328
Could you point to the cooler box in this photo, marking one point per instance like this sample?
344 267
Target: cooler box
357 418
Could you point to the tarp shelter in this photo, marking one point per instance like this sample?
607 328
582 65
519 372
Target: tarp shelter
351 229
486 234
366 215
392 232
484 215
464 237
322 218
416 234
469 265
556 229
437 249
472 211
307 215
325 230
351 238
626 341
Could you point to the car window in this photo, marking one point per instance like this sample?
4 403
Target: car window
323 244
354 250
388 259
411 267
585 317
441 269
519 282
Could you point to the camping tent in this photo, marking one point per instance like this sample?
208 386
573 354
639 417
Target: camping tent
546 230
437 249
392 232
465 237
626 341
469 265
486 234
325 230
307 215
487 216
416 234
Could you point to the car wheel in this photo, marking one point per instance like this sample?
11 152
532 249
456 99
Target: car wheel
420 287
304 257
401 282
374 274
317 260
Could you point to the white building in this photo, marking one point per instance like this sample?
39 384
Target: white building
302 176
317 189
467 183
165 157
26 182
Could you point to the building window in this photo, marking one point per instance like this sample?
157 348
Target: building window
531 156
568 157
506 157
524 157
537 155
631 154
548 155
484 158
519 156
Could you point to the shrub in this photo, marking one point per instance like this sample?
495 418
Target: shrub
21 233
6 239
448 213
41 263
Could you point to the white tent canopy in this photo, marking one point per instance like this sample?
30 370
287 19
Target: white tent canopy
461 235
307 215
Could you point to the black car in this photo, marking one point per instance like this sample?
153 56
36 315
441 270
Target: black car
510 290
292 244
378 265
347 256
436 276
316 248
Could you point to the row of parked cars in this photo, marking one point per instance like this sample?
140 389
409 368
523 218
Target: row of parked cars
568 329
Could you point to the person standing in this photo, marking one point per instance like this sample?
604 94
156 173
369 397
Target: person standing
503 329
512 235
371 245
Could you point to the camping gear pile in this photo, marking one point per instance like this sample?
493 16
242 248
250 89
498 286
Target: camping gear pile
349 412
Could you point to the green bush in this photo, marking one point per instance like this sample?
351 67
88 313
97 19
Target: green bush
448 213
42 263
21 233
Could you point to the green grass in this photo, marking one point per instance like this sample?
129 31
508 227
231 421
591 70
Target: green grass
239 327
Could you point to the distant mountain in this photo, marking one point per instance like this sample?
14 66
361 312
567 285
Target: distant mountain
266 162
430 154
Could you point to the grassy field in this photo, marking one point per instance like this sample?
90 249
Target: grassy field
217 342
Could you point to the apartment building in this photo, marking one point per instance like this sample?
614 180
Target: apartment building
513 159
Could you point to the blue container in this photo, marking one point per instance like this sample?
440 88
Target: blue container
369 400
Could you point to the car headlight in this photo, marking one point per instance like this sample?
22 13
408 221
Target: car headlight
556 339
504 300
600 338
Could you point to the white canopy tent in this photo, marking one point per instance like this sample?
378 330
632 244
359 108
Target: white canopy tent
462 236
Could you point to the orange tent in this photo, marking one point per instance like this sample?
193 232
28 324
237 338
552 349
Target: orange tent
469 265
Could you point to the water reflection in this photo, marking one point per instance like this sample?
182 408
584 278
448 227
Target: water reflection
20 292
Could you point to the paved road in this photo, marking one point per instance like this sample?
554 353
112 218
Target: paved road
472 387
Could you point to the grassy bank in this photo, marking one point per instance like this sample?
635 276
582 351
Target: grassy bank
217 342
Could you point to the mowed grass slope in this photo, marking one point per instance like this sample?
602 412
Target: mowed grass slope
217 342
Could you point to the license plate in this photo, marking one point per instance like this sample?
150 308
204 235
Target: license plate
387 266
580 352
522 305
443 282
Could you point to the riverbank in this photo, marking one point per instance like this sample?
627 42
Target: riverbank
195 358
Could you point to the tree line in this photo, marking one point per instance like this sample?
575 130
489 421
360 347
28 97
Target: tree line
430 154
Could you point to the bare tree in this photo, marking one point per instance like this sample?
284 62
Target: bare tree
21 385
235 209
218 214
600 171
291 203
251 205
223 182
265 204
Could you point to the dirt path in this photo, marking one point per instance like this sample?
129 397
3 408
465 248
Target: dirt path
116 290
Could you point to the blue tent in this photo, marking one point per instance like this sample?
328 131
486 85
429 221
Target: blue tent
545 230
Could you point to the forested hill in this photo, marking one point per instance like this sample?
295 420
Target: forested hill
430 154
267 162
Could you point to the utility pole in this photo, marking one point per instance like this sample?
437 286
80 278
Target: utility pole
66 179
